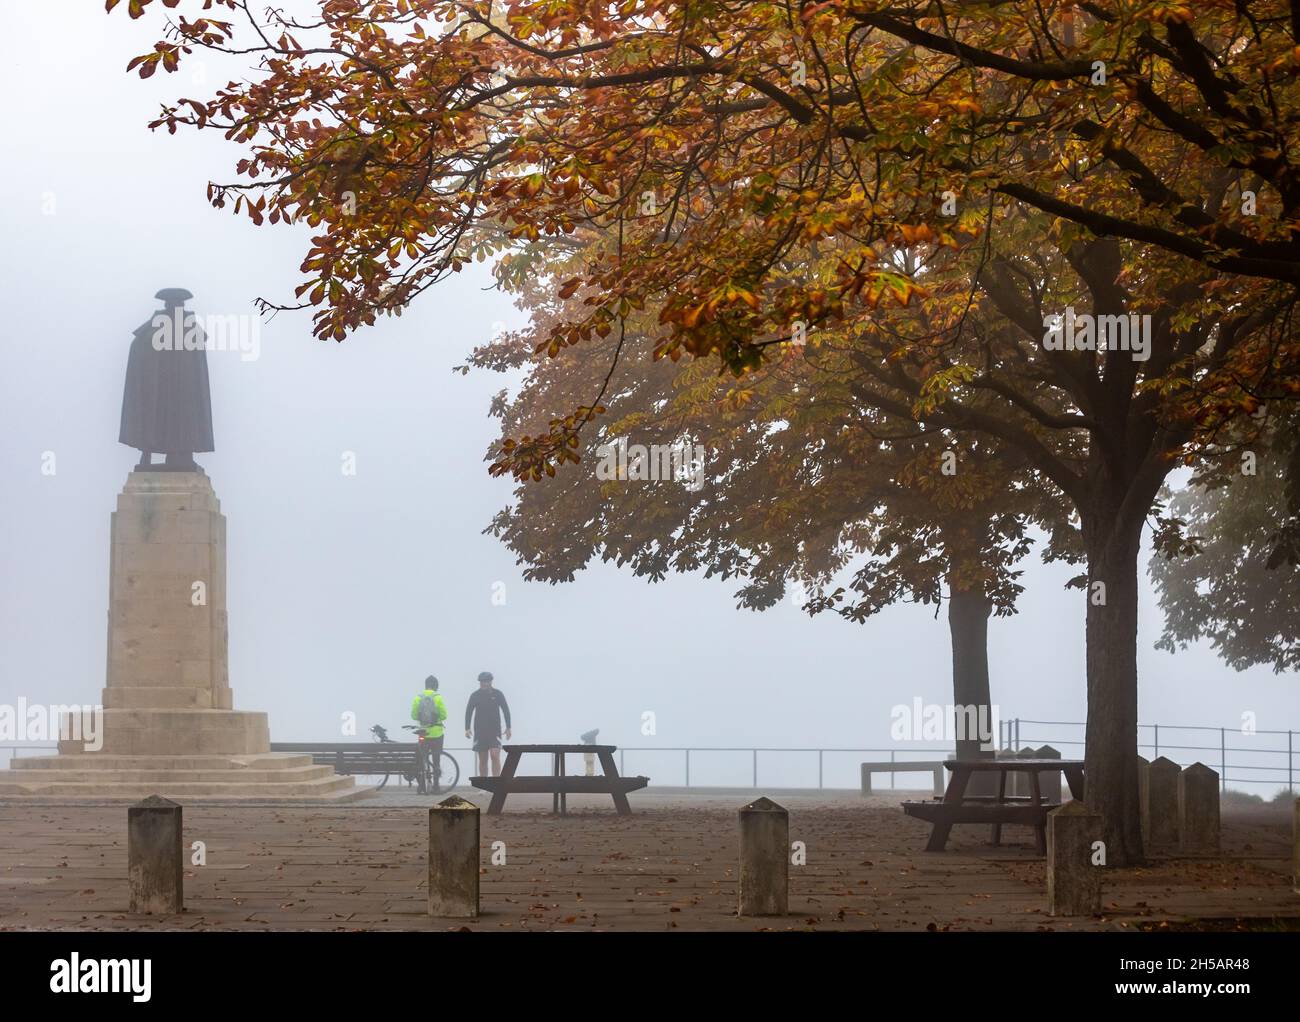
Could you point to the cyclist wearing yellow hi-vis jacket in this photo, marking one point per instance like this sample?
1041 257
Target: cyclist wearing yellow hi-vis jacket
429 710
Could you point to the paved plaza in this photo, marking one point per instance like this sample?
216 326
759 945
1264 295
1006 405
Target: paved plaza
670 865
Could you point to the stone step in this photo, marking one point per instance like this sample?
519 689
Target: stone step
99 761
226 775
11 786
129 798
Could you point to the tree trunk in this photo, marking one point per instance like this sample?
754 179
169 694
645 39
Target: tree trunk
968 620
1112 540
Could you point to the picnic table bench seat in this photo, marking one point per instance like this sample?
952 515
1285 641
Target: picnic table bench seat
935 811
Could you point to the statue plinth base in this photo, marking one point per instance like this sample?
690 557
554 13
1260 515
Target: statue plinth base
168 688
165 732
168 724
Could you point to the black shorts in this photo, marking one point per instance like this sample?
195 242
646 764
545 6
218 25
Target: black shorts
487 741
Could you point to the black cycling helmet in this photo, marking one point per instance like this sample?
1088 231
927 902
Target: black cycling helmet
431 682
485 676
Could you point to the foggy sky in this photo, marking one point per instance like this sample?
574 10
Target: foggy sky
344 592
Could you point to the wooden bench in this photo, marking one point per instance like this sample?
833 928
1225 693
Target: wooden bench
558 784
1030 810
916 766
358 758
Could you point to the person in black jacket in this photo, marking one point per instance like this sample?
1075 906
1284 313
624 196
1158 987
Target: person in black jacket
483 714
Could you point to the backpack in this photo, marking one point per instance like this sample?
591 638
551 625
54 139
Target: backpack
427 713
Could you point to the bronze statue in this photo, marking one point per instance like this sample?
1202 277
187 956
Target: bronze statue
166 404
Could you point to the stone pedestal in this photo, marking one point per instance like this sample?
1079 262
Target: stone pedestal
1017 783
168 725
1073 882
1051 784
764 859
1158 799
168 684
1143 763
1198 810
155 873
1295 847
453 859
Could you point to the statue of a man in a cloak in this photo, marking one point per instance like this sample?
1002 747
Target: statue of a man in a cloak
166 405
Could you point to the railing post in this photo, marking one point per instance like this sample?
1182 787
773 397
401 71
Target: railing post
688 768
622 767
1223 760
1290 784
1155 752
819 769
891 763
755 751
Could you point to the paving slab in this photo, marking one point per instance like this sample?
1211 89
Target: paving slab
672 864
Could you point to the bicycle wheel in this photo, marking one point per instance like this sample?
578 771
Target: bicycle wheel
423 772
379 741
449 775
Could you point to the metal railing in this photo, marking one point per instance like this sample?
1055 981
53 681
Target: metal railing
1266 752
896 755
8 749
1270 753
851 777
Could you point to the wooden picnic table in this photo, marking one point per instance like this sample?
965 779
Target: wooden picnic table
558 783
957 806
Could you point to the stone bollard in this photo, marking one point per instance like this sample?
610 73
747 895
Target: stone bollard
1011 777
764 859
154 860
1198 810
1073 882
1142 763
453 859
1050 782
1295 847
991 788
1018 783
1158 798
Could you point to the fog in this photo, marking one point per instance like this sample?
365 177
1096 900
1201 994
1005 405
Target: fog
346 590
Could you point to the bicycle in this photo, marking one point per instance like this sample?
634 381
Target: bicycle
445 773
